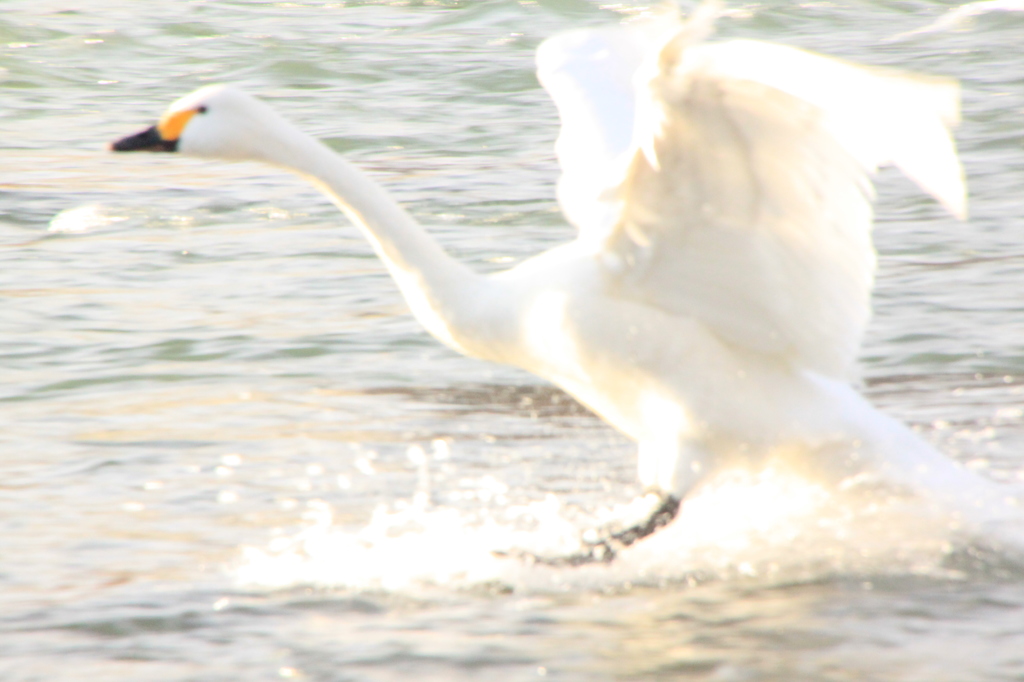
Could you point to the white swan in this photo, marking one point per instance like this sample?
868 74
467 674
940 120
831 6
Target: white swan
714 302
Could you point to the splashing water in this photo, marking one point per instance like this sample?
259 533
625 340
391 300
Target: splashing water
770 525
85 218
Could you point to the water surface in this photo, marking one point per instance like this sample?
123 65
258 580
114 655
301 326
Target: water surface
228 452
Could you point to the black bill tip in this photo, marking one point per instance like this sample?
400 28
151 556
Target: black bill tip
148 140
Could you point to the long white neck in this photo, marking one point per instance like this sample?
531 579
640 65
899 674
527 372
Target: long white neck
440 291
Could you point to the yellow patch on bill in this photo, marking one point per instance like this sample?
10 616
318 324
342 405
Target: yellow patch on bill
172 123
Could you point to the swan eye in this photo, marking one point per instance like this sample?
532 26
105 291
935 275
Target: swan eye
201 110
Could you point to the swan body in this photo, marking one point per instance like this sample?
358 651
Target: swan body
714 302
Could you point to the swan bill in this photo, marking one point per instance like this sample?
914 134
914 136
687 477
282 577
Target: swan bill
148 140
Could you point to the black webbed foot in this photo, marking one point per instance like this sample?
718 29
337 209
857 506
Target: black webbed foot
603 544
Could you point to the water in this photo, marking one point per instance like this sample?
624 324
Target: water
229 453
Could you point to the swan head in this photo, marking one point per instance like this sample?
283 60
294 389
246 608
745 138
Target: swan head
217 121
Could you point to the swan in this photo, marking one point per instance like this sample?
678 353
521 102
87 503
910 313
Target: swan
713 304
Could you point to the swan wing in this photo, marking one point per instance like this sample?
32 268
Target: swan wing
740 195
590 75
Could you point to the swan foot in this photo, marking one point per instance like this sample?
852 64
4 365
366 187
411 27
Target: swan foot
602 545
662 509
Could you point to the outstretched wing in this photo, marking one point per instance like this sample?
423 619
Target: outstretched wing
728 182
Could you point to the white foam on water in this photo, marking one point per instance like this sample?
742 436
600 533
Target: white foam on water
84 218
771 525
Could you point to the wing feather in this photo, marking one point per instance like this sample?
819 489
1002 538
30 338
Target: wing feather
590 74
728 182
